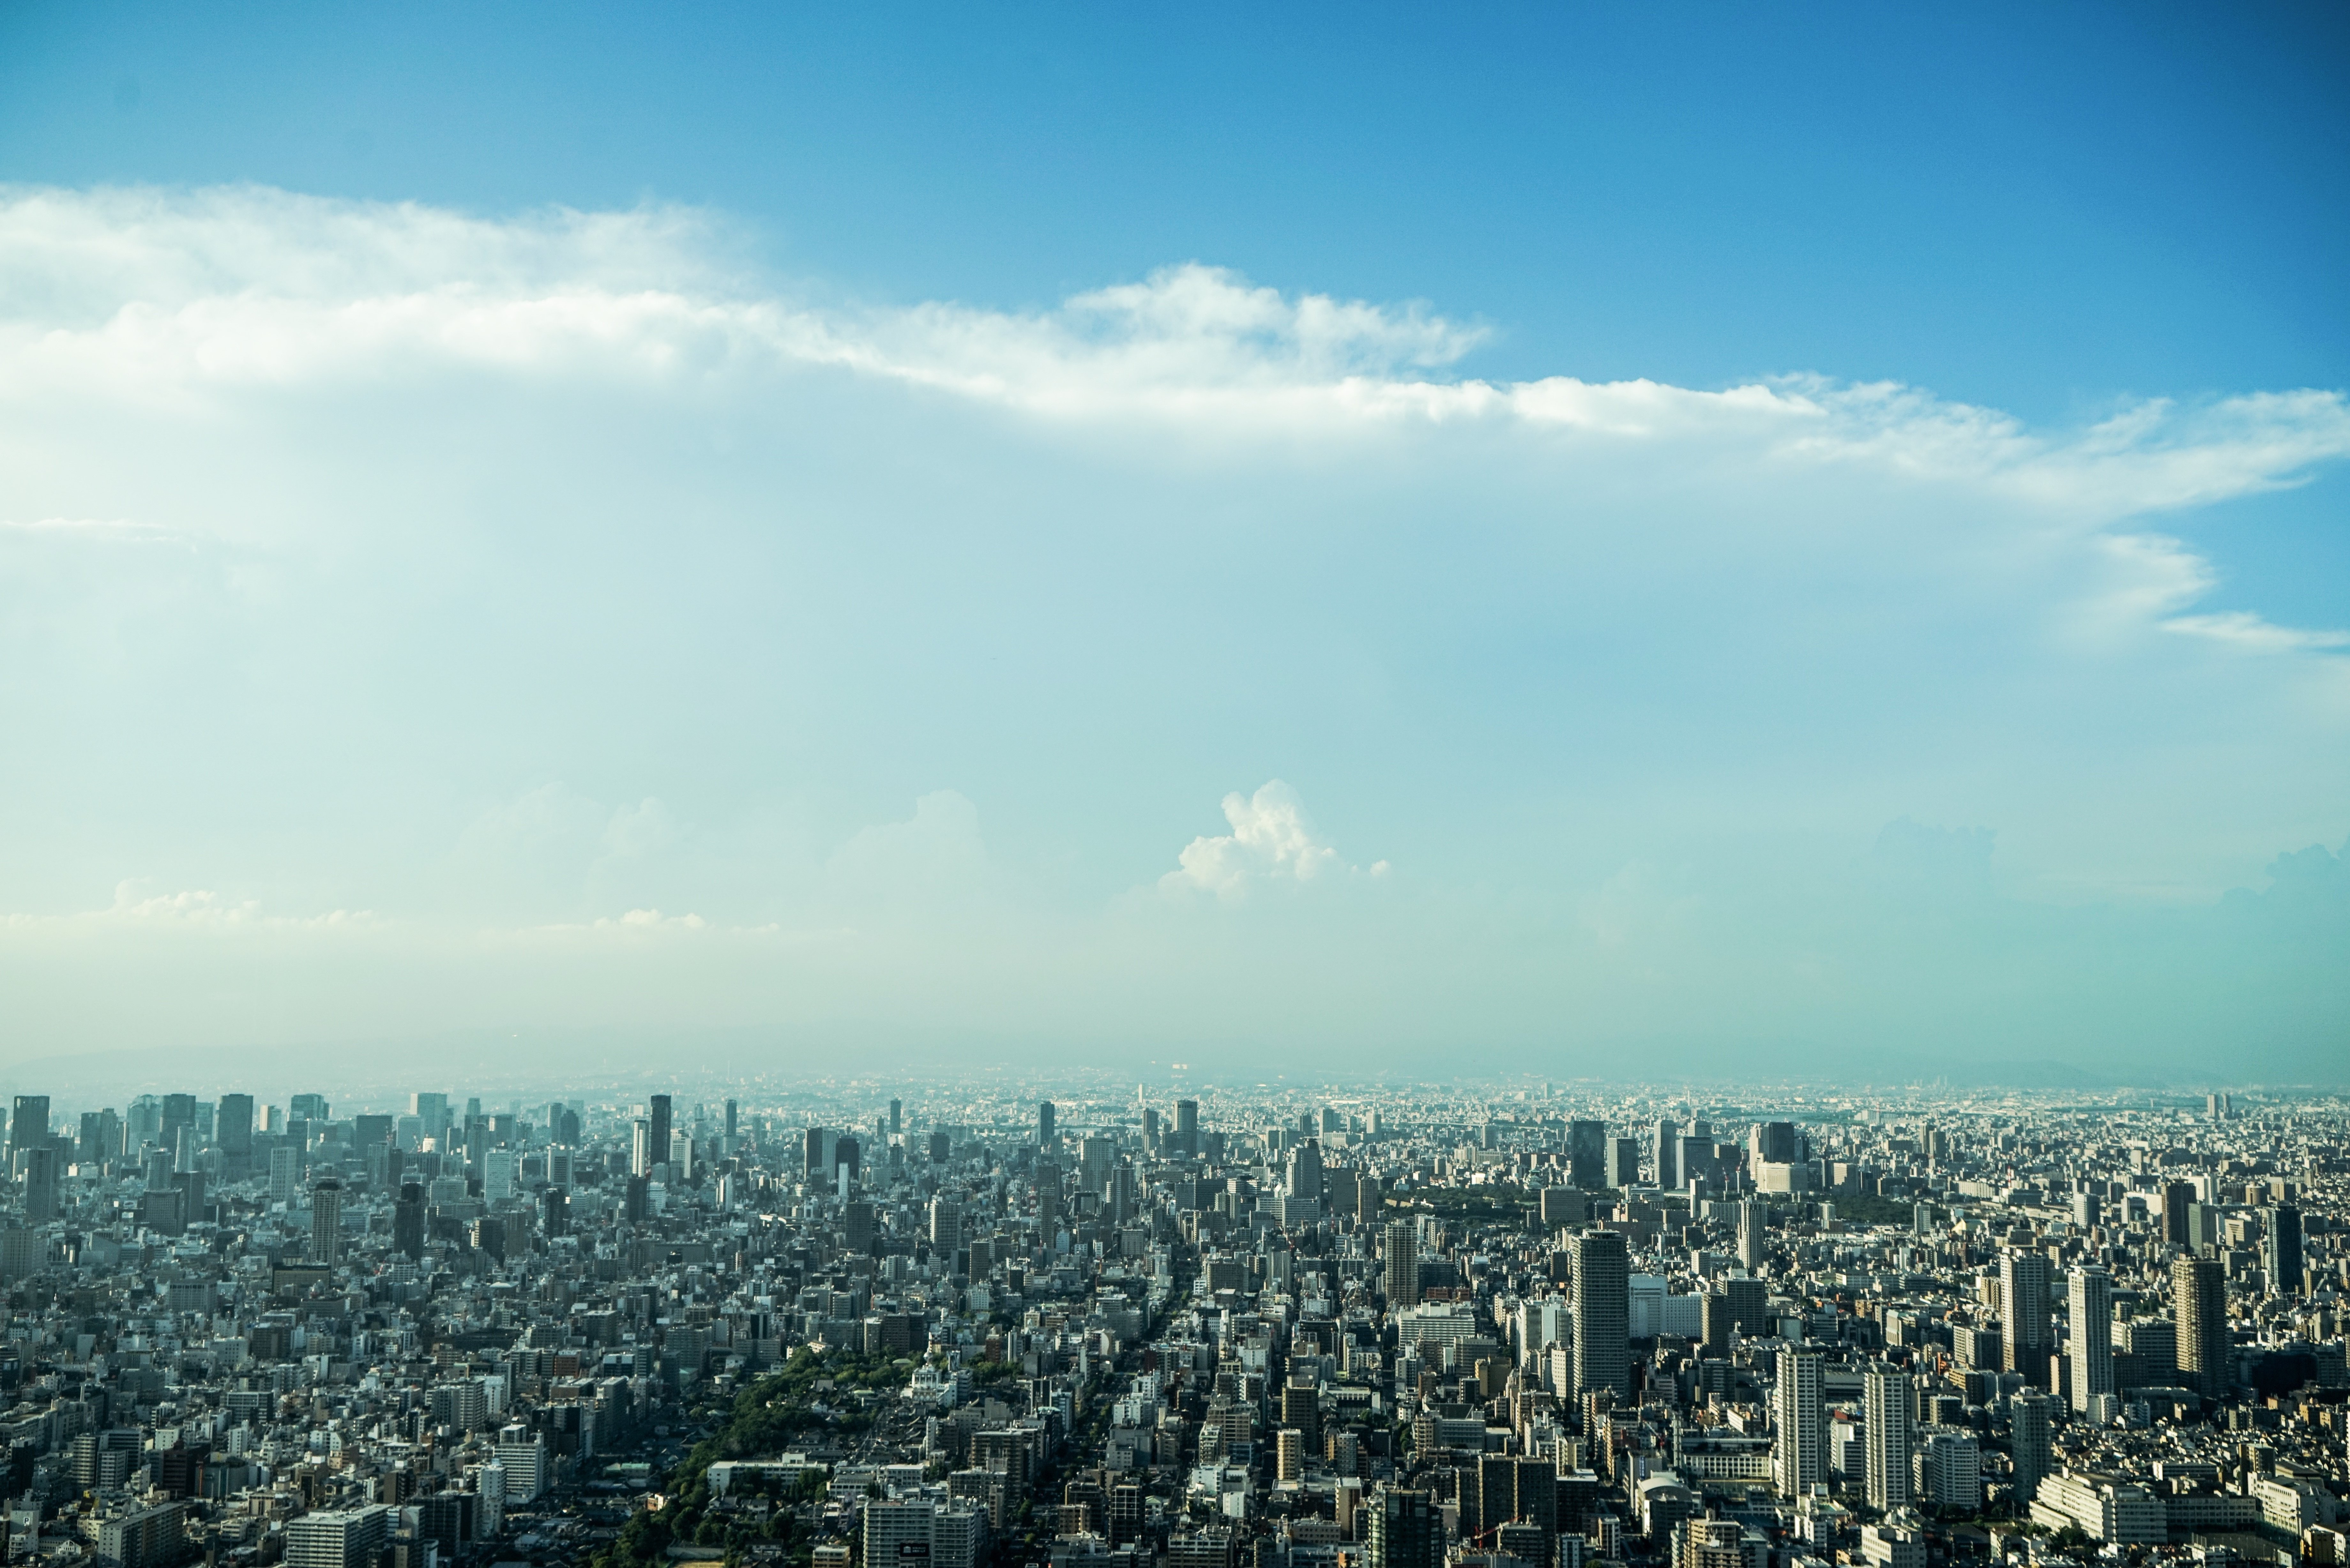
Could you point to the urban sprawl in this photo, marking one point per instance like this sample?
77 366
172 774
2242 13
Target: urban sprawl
875 1324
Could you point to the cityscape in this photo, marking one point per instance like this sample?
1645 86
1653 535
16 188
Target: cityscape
1553 784
861 1323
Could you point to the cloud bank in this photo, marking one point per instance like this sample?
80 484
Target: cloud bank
568 575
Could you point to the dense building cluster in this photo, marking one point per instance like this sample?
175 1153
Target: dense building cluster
862 1326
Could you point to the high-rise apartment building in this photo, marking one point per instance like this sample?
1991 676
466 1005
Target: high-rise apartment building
1800 1461
1399 1270
1603 1313
2029 1421
2089 1311
2198 1304
345 1538
2024 1306
2281 1250
1885 1435
327 1223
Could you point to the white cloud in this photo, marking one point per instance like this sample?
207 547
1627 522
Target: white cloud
2249 633
161 298
1272 841
189 908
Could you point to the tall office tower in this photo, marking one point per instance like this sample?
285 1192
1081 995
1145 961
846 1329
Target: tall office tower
897 1117
2199 1302
327 1223
1884 1415
657 1112
408 1220
1586 1154
856 1229
1774 1142
1716 1320
1749 1305
2090 1308
179 1111
848 1157
1044 1123
1801 1460
1399 1275
2023 1288
946 1225
1151 1133
1046 1179
90 1144
2177 1197
812 1161
1187 1130
28 1127
640 1148
1603 1313
40 1163
285 1173
1306 1171
1668 1148
188 1149
2028 1422
498 1175
554 1211
233 1125
308 1107
1696 1159
1623 1162
1406 1528
1753 1219
942 1145
734 1119
636 1200
432 1110
2281 1252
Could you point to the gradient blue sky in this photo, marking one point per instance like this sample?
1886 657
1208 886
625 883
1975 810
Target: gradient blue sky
903 621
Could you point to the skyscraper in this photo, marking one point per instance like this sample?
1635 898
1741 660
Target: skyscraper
2281 1250
657 1130
897 1117
408 1220
1801 1460
1752 1218
1045 1124
1623 1162
327 1223
2028 1424
1586 1154
2023 1287
2177 1197
1399 1274
2198 1300
29 1126
640 1148
40 1181
1603 1313
232 1126
1186 1129
1669 1140
1884 1395
2090 1311
734 1119
1405 1530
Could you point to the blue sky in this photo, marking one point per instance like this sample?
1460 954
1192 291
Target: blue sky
1237 530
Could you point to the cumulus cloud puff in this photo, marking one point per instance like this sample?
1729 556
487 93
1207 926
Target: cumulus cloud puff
1271 841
